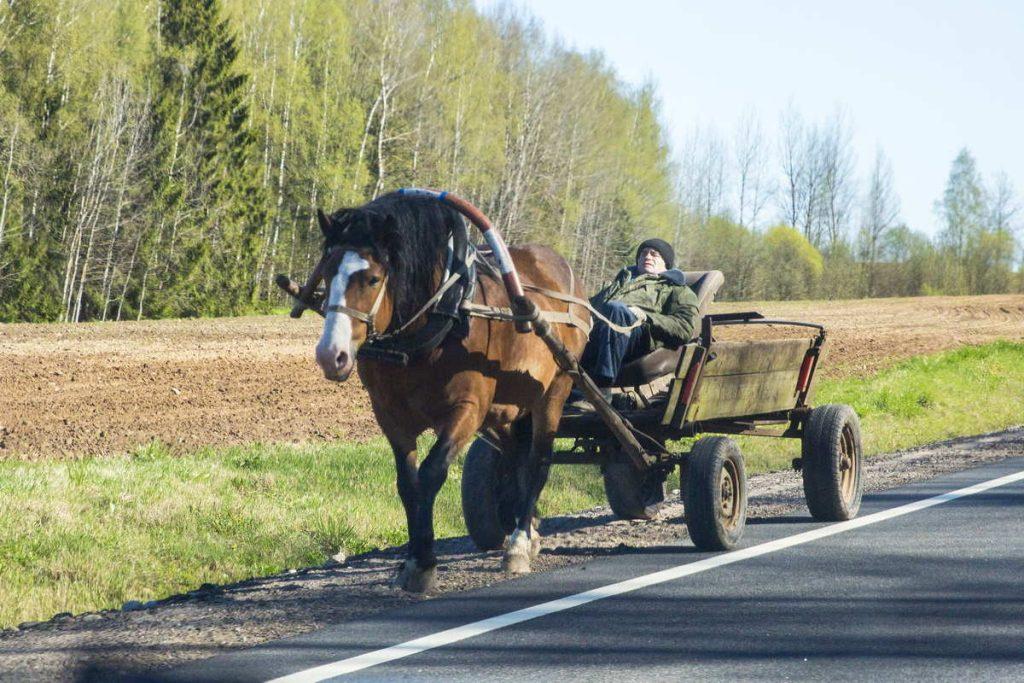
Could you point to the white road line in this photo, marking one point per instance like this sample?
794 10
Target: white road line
454 635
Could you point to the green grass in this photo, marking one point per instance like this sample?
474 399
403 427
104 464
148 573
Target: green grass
91 534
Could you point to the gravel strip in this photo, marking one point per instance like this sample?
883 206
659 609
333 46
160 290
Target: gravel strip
218 619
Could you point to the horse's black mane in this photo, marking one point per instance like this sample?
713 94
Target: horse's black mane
409 235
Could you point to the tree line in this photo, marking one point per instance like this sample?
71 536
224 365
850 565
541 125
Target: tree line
786 217
166 157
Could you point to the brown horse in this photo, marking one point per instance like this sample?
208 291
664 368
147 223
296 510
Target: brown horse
388 256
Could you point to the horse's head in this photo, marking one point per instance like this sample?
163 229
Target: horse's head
355 268
382 263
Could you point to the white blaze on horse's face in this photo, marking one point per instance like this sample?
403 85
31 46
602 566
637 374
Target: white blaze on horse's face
334 352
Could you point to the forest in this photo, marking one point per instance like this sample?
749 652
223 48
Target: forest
165 158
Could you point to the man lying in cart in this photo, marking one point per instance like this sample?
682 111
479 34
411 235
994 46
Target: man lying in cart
647 306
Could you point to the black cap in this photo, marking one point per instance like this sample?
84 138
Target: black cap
660 246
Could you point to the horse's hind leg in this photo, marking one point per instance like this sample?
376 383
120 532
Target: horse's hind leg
524 543
419 572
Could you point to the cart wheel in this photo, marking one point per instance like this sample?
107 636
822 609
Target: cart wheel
831 463
632 493
716 494
489 492
684 475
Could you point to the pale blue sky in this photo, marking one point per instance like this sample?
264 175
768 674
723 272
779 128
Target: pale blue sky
921 78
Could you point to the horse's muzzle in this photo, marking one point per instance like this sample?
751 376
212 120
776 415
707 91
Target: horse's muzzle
337 366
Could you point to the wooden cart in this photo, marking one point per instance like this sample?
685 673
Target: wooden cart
755 388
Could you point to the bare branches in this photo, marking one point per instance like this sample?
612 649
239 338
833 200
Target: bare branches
836 186
751 155
113 156
1003 205
703 173
881 211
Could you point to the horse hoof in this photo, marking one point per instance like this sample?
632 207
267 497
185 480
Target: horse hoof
534 545
413 579
516 559
515 564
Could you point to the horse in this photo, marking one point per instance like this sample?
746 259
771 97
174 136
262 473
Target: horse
385 260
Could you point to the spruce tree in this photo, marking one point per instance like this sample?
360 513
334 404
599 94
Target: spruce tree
210 204
34 173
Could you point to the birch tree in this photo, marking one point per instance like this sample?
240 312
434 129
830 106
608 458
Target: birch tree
880 214
750 156
835 163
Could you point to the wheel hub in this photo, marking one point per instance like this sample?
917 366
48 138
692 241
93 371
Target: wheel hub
847 463
729 502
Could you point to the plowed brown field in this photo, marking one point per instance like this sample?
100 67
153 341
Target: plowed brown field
105 388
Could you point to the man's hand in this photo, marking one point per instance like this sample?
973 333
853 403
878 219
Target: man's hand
638 312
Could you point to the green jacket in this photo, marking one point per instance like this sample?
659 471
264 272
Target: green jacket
670 305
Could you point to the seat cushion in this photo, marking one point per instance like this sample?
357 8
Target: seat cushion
646 369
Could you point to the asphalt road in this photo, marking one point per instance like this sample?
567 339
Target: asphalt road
935 593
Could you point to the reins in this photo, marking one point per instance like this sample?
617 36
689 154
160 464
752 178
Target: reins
475 310
472 309
558 317
519 312
370 316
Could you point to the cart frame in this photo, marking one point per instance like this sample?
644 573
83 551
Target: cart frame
661 423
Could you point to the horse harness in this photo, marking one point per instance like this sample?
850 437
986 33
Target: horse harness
453 303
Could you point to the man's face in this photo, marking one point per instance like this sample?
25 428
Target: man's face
650 262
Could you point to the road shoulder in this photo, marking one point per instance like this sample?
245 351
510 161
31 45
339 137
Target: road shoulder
217 620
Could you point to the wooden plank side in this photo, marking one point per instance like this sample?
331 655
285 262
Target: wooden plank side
748 394
741 357
677 383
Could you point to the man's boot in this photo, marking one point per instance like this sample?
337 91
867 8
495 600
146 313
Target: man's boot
579 403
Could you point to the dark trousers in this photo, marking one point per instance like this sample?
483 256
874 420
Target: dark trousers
607 349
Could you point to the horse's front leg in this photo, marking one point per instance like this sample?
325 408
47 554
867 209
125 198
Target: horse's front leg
524 543
418 575
404 449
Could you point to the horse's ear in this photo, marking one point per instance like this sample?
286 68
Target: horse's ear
325 222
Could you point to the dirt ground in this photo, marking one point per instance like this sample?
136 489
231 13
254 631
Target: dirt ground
106 388
218 619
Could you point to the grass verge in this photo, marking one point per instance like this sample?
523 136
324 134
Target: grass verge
91 534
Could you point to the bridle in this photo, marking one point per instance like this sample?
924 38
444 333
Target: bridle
369 316
306 297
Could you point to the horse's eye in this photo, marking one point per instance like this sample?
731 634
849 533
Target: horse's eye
374 280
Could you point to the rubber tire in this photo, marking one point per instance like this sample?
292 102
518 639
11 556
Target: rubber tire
630 492
704 519
623 485
684 476
488 495
821 459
